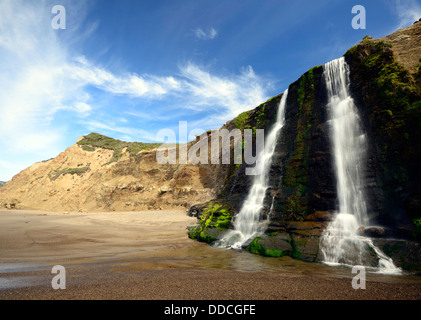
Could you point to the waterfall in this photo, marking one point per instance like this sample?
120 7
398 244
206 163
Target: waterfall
248 223
341 242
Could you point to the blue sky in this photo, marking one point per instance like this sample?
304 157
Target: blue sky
130 68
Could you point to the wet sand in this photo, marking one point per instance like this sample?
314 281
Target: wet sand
147 256
32 236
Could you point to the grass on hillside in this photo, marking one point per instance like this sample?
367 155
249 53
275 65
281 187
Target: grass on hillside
96 140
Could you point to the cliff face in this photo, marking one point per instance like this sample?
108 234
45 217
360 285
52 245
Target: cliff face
302 190
389 97
386 85
102 174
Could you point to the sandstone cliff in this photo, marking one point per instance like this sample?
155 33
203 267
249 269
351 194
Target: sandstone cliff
102 174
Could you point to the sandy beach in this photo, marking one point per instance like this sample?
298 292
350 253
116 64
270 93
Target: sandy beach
147 256
32 236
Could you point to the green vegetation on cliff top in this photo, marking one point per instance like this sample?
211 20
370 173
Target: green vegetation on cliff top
241 119
95 140
258 119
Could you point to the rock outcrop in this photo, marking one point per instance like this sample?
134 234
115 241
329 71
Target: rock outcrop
387 89
386 85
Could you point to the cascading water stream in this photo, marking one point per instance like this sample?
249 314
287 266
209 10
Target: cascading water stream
341 242
248 223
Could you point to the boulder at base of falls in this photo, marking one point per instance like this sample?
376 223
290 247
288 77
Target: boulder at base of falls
373 232
404 253
376 232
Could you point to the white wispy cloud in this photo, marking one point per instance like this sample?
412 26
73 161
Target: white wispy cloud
408 11
40 78
207 34
226 95
81 109
193 88
33 84
132 84
148 115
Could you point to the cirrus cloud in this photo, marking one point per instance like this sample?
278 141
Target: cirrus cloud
407 11
50 91
207 34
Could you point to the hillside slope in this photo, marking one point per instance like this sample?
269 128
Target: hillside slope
102 174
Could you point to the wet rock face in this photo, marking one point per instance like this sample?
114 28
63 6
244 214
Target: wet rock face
405 253
386 87
306 182
388 97
301 177
302 190
373 232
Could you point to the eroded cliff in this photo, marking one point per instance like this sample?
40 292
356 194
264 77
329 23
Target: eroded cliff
102 174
